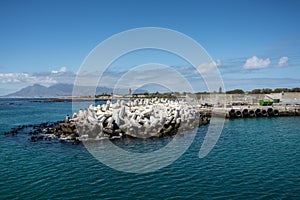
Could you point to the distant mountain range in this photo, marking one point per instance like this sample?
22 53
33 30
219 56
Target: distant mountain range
60 90
57 90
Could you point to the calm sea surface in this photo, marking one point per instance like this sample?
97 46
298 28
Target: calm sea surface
253 159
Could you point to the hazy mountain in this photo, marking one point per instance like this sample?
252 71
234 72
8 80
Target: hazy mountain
35 90
65 88
57 90
60 90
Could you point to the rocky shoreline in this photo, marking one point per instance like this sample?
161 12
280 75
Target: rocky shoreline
46 131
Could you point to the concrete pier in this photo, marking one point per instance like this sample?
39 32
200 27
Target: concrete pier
253 111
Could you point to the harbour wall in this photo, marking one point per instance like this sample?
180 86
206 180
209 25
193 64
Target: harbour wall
252 111
252 99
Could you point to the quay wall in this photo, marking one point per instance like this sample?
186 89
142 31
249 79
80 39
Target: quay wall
252 99
252 111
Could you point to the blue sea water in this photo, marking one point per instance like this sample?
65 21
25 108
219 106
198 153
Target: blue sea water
253 159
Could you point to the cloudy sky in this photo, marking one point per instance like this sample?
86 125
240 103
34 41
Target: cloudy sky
254 44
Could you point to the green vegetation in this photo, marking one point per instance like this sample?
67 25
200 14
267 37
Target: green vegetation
264 91
103 95
277 90
236 91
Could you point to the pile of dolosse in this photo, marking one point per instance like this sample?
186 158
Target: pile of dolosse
141 118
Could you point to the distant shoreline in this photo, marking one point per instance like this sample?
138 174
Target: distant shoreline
212 98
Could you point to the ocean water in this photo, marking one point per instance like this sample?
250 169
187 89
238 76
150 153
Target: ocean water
253 159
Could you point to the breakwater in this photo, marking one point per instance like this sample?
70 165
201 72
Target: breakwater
142 118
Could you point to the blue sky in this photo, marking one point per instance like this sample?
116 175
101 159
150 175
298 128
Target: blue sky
255 43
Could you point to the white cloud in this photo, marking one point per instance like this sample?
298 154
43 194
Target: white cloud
15 81
256 63
61 70
283 61
14 78
206 68
153 74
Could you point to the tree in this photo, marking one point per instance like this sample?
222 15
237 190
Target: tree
236 91
279 90
266 91
295 89
256 91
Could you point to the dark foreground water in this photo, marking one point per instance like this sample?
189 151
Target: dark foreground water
253 159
